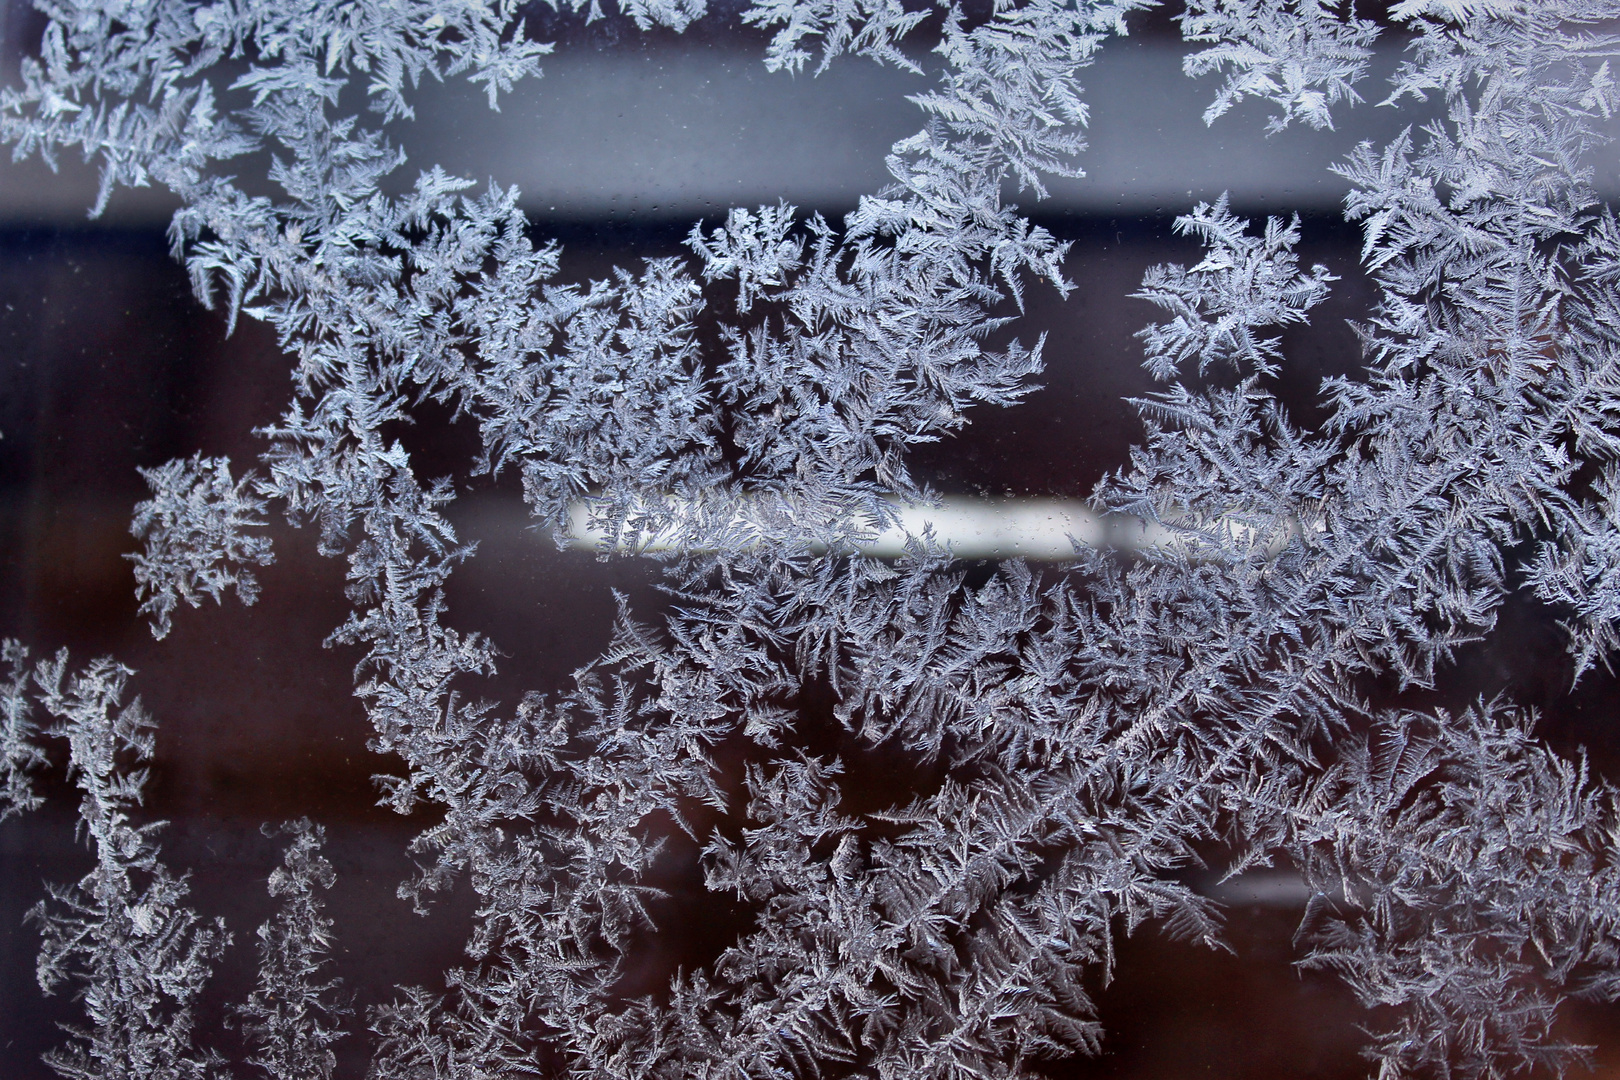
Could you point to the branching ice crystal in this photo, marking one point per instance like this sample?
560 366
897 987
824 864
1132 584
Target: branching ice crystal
195 526
1087 735
123 931
291 1016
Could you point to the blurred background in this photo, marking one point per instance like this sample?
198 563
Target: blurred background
108 363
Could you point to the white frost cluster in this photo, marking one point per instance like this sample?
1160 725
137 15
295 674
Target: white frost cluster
1079 736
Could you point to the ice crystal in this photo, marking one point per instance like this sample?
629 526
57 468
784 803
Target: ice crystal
1086 735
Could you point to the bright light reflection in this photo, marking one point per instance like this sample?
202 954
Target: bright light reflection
1035 529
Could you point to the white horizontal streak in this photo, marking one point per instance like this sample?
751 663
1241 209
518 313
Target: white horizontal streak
969 528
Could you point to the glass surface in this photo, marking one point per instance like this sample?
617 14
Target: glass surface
111 365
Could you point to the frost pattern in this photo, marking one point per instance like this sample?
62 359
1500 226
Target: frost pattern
123 931
1244 283
872 28
19 752
196 540
1508 845
1075 741
291 1016
1302 56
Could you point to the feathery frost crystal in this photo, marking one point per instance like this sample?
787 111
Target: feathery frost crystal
1087 733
